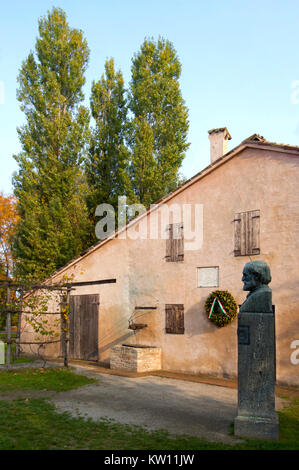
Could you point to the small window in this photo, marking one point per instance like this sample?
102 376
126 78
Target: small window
175 243
174 319
208 277
247 233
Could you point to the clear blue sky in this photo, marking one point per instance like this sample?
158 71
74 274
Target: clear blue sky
239 60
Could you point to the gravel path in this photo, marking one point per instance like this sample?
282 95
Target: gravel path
156 403
178 406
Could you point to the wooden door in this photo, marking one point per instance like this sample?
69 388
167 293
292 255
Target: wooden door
84 313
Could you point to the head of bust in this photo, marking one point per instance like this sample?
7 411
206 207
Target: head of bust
255 275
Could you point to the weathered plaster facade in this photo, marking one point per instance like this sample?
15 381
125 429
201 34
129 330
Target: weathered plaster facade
254 176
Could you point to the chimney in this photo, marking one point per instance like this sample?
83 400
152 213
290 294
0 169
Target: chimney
218 142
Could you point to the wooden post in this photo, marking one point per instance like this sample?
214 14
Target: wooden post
19 325
65 307
67 326
8 327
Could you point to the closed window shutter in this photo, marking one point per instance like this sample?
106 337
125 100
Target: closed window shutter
169 243
180 326
244 233
174 318
169 318
247 233
255 232
180 248
175 243
237 222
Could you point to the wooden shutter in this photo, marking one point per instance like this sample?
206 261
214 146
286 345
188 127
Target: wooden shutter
175 243
244 233
255 232
237 235
247 233
169 243
179 232
174 319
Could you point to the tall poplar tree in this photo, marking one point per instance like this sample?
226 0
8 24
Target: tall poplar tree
159 127
49 186
108 157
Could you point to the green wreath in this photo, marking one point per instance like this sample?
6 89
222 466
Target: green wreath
221 307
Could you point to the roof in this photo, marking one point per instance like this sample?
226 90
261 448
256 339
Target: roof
253 141
255 138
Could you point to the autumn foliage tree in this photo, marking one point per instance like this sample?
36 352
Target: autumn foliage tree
8 221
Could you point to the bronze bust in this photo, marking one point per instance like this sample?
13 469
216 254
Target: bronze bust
256 277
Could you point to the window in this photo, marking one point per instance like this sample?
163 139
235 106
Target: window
247 233
175 243
174 319
208 277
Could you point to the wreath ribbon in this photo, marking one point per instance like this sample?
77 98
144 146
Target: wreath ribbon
220 305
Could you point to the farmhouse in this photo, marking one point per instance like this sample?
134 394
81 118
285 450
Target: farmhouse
147 283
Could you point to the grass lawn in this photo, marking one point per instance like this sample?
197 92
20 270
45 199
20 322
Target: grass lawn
57 379
34 423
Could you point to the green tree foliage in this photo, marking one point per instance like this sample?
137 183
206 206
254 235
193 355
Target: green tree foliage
158 130
49 186
108 159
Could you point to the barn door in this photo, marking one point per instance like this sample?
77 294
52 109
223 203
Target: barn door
84 312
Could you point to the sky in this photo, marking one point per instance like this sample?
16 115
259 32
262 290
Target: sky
240 63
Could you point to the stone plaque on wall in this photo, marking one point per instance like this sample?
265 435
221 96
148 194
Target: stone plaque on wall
208 277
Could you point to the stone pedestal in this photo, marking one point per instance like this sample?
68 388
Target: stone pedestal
256 376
